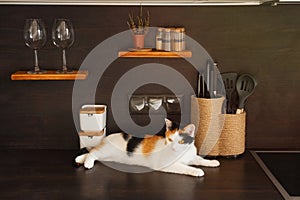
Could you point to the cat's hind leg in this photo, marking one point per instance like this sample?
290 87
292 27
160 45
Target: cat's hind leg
179 168
199 161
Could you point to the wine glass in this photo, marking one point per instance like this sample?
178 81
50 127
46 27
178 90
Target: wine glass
63 37
35 38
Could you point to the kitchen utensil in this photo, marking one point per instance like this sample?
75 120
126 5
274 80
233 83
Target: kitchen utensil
155 103
229 80
199 85
204 87
208 76
213 80
138 103
245 86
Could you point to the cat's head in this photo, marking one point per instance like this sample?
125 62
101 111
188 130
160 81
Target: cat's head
179 138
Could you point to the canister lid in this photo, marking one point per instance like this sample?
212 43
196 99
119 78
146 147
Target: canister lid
92 110
167 29
100 133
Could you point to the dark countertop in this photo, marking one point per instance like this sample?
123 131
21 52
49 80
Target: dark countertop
49 174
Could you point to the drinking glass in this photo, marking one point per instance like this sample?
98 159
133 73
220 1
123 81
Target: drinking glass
63 37
35 38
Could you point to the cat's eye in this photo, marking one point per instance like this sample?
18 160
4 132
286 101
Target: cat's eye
181 142
170 140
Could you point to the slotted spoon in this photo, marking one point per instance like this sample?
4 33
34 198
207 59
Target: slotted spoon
229 80
245 86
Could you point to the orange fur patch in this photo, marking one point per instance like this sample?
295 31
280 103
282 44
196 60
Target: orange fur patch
149 143
99 146
169 133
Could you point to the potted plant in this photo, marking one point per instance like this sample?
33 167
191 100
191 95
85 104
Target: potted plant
139 28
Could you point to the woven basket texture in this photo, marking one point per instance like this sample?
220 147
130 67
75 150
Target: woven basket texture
217 134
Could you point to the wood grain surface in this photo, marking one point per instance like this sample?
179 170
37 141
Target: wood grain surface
49 175
49 75
261 40
155 54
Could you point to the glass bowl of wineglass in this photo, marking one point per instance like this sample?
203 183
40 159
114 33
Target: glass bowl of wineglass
63 37
35 38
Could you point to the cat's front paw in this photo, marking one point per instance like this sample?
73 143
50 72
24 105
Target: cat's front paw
80 159
89 162
214 163
197 172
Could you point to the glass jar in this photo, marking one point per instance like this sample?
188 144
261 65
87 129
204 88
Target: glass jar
176 40
166 43
159 39
182 38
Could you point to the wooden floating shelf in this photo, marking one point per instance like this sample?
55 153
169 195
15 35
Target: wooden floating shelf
49 75
155 54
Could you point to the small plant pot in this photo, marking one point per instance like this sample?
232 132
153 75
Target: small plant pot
138 41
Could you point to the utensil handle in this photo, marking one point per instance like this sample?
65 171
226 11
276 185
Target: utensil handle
239 111
203 85
211 84
215 79
208 76
199 85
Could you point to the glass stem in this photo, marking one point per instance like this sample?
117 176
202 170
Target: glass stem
36 61
64 67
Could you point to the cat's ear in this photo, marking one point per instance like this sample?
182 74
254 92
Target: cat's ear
190 129
168 124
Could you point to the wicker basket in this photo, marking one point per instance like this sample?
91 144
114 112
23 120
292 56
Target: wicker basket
217 134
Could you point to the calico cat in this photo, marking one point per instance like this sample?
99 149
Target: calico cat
172 152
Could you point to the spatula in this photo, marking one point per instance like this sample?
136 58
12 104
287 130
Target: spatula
229 80
245 86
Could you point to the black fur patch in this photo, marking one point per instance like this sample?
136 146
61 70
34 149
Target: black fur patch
132 144
187 138
174 126
162 132
125 136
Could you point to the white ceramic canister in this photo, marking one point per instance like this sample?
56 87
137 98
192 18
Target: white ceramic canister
92 118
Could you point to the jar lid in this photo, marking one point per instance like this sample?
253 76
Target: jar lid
92 110
167 29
